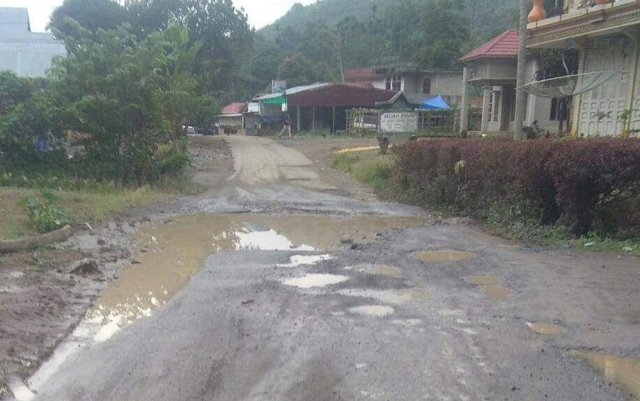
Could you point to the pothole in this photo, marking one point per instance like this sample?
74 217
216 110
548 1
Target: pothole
315 280
484 280
388 296
305 260
546 328
443 256
176 250
380 270
373 310
497 292
624 372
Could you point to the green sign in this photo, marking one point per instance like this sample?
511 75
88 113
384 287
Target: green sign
275 100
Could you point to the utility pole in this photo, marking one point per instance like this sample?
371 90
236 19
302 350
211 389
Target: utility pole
522 65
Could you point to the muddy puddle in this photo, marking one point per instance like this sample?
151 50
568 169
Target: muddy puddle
484 280
623 372
443 256
378 270
394 297
315 280
491 286
372 310
175 250
497 292
359 149
547 328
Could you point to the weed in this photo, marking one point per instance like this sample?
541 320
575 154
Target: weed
45 213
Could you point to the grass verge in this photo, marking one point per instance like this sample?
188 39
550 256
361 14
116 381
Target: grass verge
369 167
81 206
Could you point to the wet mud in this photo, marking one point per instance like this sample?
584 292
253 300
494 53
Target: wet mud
623 372
443 256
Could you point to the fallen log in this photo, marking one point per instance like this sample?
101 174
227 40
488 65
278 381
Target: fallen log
36 241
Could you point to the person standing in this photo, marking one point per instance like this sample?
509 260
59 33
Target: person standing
287 126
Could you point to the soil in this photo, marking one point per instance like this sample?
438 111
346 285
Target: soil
41 302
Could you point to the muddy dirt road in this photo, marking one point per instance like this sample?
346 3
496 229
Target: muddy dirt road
285 285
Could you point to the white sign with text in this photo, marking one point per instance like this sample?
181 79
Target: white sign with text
399 122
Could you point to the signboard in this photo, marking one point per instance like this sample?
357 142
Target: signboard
399 122
278 86
253 108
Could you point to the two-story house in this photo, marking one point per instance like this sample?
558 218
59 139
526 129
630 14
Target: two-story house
607 35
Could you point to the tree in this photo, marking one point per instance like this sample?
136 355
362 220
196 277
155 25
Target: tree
112 86
299 70
90 14
13 91
445 31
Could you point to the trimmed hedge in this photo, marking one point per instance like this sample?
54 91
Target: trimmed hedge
588 185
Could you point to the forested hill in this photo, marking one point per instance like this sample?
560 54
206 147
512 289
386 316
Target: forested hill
487 18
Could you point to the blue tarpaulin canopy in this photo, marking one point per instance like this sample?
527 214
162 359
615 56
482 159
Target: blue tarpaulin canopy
435 103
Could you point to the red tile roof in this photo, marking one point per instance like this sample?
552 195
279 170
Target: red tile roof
504 45
234 108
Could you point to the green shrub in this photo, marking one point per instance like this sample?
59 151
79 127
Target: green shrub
46 214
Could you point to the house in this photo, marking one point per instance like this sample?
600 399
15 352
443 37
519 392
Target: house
606 99
26 53
231 115
320 106
493 67
415 83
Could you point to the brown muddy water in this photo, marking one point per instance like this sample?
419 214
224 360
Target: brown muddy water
623 372
491 286
174 251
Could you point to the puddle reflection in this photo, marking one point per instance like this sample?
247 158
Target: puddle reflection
315 280
373 310
624 372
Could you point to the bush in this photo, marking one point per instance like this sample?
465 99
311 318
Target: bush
598 183
587 184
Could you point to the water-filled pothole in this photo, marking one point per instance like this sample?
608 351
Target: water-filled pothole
315 280
380 270
497 292
373 310
484 280
388 296
546 328
443 256
624 372
175 251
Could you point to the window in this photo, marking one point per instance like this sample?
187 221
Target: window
394 83
426 86
558 110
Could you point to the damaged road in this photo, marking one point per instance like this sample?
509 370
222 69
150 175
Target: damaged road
291 283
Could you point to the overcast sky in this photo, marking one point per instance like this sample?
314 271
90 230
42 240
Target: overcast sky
261 12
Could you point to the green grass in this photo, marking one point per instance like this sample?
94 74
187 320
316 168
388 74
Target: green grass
81 206
368 167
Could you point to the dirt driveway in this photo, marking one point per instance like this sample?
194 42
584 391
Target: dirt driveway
284 282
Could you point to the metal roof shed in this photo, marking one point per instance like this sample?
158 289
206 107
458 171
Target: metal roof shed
323 106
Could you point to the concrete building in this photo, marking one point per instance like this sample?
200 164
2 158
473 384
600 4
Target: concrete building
607 36
26 53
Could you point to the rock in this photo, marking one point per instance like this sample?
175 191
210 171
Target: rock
84 267
627 249
101 241
346 240
589 244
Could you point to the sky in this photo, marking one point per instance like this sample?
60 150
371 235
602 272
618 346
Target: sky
261 12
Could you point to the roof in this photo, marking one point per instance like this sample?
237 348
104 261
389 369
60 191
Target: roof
504 45
293 91
334 94
234 108
14 20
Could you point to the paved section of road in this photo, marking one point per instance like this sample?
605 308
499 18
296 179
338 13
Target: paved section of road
400 318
